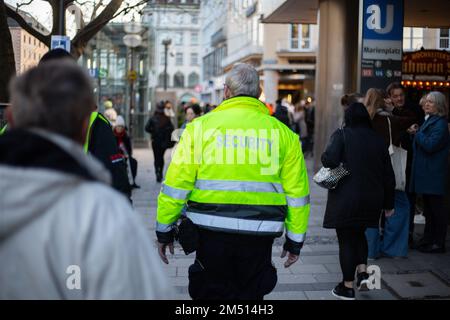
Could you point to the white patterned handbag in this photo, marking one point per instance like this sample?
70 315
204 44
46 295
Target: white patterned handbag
329 178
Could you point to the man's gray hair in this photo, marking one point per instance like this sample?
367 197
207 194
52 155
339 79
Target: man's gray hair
439 101
56 96
243 80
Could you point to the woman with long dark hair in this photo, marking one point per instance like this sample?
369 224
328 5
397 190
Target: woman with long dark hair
360 198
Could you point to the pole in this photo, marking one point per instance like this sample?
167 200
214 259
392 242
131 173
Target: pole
62 14
166 51
131 97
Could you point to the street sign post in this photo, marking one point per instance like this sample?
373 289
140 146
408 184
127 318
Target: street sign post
60 42
381 41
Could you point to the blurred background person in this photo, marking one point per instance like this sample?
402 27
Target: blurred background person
299 123
110 113
160 127
192 112
125 147
429 171
397 104
391 238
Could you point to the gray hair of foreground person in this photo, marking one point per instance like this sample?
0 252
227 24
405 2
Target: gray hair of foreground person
56 96
438 99
243 80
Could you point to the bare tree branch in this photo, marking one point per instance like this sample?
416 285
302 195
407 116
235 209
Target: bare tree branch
23 4
129 8
45 39
83 36
96 7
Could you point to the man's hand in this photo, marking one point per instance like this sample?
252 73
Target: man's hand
388 213
413 129
292 258
162 251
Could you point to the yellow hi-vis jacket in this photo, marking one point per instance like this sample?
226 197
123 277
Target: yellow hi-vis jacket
237 170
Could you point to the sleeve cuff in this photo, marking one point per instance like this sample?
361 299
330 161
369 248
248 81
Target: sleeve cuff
292 246
166 237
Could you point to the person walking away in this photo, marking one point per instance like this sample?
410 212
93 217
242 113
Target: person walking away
429 171
160 127
359 198
310 124
124 145
397 103
238 205
64 233
299 124
391 237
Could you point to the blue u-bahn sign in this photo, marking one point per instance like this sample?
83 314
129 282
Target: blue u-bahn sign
381 45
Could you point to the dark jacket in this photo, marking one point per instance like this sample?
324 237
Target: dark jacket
160 127
399 125
431 146
103 146
359 197
282 114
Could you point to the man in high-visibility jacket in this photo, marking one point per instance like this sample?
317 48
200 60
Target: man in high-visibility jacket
239 175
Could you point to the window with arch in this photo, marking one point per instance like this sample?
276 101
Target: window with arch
178 80
161 79
193 80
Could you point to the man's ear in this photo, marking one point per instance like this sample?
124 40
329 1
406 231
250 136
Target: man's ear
9 117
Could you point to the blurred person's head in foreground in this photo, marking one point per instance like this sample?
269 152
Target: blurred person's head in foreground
56 96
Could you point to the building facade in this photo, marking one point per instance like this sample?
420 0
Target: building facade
285 55
179 22
27 49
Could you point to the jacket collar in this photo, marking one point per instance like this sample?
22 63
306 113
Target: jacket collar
432 119
243 102
38 148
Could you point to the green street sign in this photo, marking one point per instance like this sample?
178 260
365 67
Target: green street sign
102 73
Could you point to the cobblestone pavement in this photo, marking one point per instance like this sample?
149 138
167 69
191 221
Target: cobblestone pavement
419 276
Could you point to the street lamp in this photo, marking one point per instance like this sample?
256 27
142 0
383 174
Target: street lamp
132 40
166 43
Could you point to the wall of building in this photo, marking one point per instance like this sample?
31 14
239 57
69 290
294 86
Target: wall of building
28 51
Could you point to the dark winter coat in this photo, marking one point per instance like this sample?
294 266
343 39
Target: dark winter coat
103 145
431 146
160 128
360 197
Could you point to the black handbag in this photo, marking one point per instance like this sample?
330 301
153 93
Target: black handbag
187 235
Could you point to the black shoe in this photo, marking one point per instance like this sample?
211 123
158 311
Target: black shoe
432 248
362 281
343 293
135 186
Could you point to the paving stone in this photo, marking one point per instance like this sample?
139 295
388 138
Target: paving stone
319 259
329 277
308 268
333 267
382 294
320 295
289 295
416 285
298 278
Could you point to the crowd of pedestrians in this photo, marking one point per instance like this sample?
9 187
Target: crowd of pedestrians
396 154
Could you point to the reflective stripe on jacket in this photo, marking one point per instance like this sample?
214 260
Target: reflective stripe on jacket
238 170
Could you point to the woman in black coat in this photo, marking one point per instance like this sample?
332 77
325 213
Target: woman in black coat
359 199
160 128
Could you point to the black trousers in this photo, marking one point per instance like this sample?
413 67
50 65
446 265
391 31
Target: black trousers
353 250
436 219
232 267
158 153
